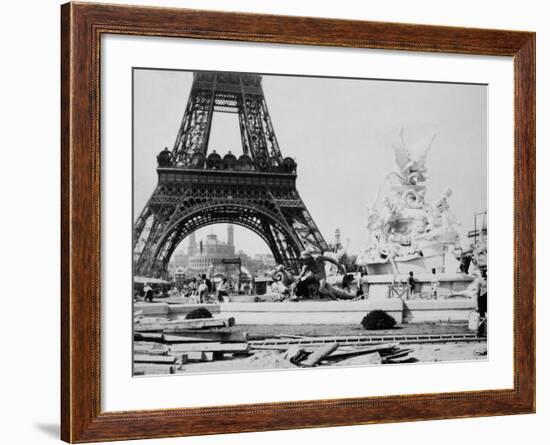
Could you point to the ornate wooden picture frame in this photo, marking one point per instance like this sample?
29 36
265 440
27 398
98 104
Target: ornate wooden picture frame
82 25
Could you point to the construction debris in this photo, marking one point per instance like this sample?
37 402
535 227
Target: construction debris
318 355
176 325
348 353
361 360
163 346
295 355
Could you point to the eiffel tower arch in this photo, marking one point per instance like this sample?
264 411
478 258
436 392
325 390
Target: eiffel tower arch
255 189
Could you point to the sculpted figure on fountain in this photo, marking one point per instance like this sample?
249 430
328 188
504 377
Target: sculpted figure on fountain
406 227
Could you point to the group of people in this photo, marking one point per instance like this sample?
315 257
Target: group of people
476 290
312 282
200 290
434 286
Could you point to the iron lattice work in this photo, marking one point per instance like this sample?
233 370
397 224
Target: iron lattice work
257 190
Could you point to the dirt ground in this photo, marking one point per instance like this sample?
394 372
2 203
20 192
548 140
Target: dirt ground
272 360
449 352
269 331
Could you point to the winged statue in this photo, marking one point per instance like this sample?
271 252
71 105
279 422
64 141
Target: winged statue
412 167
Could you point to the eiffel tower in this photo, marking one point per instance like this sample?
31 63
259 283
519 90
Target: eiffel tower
256 189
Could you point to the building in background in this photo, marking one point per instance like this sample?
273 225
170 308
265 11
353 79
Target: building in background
200 255
179 276
204 254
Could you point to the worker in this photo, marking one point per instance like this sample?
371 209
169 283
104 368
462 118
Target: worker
283 281
434 285
205 287
313 270
148 290
223 289
482 303
411 283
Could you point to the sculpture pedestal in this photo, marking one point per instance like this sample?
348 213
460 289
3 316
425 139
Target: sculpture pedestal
436 255
378 286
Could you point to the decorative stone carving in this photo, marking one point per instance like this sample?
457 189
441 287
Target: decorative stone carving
405 228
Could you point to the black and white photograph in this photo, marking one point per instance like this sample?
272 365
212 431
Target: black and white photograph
275 222
294 222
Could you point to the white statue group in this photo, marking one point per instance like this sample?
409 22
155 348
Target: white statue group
406 224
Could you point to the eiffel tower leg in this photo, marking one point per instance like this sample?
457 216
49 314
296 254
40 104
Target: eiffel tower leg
271 242
289 252
140 225
145 251
144 264
160 261
306 230
276 244
316 239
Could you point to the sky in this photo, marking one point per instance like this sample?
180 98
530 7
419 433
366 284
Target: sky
340 132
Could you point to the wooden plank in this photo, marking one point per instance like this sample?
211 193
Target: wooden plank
182 326
153 369
150 345
173 326
146 351
398 360
269 347
160 359
171 339
172 335
292 336
366 359
236 348
148 336
319 355
341 355
398 354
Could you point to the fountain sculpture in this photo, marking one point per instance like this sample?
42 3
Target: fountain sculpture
407 233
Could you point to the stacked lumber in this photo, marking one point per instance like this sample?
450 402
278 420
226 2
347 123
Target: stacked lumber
168 358
163 346
335 354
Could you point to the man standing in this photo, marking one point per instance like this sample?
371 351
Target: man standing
411 282
148 293
482 303
434 284
204 289
223 289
